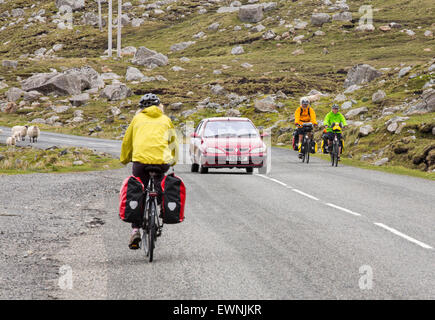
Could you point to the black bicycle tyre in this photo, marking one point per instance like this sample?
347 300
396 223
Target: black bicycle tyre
307 150
335 152
152 229
145 239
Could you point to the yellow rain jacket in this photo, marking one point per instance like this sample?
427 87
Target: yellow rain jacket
150 139
302 115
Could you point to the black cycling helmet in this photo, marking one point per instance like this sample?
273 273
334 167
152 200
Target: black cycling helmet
335 106
149 99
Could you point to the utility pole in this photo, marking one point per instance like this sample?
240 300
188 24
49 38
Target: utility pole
110 29
100 24
118 41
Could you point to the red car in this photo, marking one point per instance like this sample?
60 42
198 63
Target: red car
227 143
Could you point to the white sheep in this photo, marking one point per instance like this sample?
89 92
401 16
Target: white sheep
21 130
10 141
33 133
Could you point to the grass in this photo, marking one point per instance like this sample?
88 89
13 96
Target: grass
23 160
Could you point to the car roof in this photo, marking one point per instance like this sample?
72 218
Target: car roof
226 119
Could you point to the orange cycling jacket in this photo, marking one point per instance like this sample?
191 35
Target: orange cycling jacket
305 115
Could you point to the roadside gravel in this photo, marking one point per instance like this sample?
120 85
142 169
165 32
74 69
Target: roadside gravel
39 215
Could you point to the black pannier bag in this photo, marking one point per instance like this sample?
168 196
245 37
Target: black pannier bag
131 199
173 200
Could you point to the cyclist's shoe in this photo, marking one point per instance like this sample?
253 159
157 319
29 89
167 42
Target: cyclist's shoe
338 158
300 155
134 240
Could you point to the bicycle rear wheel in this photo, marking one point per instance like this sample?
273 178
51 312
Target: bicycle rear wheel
152 229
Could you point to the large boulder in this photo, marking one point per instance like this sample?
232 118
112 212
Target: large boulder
117 91
252 13
73 4
318 19
361 73
149 58
57 83
425 105
70 82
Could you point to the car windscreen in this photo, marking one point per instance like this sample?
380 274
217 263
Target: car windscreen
228 128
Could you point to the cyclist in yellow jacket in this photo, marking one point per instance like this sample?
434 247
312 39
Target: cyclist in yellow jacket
304 114
149 142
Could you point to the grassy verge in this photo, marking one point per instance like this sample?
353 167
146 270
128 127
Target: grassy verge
22 160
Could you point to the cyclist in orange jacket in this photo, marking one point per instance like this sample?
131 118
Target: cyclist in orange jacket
304 114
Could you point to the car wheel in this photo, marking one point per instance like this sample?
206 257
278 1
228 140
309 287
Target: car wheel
249 170
203 170
194 167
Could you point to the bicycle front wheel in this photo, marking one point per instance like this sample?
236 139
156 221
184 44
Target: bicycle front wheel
307 150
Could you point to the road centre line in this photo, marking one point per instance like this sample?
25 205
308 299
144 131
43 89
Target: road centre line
400 234
305 194
343 209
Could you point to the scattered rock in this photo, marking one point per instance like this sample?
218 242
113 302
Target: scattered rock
133 74
237 50
378 96
403 72
149 58
361 73
181 46
381 162
251 13
356 112
10 64
265 105
318 19
80 99
115 92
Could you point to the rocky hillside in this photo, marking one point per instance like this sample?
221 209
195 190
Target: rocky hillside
248 58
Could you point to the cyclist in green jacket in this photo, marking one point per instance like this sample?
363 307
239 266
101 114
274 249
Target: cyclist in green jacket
330 118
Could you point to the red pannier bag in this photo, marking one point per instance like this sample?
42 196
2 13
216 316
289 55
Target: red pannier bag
174 199
131 198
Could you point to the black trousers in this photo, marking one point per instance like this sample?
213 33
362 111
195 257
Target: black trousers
141 170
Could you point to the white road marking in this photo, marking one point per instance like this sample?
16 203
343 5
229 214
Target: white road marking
343 209
272 179
400 234
305 194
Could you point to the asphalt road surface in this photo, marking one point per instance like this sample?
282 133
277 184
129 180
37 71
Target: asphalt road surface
304 231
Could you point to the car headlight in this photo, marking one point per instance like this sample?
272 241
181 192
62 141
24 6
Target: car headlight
258 150
213 150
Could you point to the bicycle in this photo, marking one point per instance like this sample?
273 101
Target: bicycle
306 141
336 130
152 228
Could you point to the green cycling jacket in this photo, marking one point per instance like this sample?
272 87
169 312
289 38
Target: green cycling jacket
332 117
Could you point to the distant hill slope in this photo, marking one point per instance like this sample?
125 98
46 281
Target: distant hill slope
220 65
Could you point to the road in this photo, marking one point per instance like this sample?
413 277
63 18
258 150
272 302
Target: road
301 232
